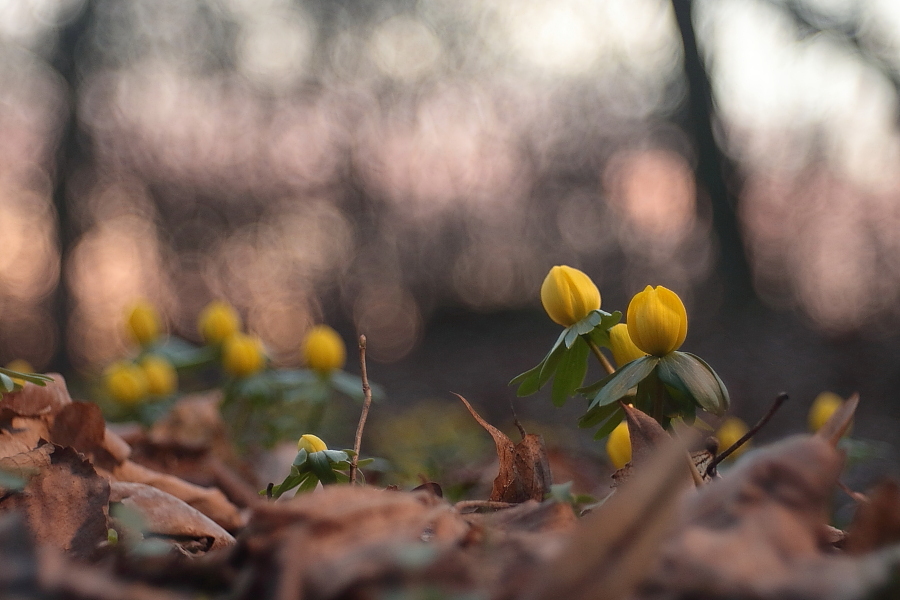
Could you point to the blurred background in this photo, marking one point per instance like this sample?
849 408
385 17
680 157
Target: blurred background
412 169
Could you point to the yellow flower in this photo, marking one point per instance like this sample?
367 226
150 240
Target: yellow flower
125 382
323 349
162 379
568 295
730 431
22 366
242 355
143 323
618 446
822 408
311 443
218 321
657 321
623 349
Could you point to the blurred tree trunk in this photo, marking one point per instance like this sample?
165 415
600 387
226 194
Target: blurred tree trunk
72 154
715 173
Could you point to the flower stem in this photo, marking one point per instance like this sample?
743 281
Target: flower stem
600 356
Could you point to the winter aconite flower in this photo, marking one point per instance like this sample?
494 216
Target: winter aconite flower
323 349
22 366
618 446
162 379
657 321
125 382
730 431
311 443
568 295
623 349
218 321
242 355
143 323
822 408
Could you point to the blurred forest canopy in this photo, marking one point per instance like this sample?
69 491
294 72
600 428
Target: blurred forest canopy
371 163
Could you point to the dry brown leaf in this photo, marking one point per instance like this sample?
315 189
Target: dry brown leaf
876 523
166 516
65 503
839 422
35 400
608 554
524 469
210 501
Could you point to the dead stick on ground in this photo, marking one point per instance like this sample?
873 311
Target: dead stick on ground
779 400
367 392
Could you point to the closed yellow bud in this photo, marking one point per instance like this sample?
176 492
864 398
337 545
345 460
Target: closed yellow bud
143 323
311 443
618 446
822 408
218 321
242 355
323 349
125 382
657 321
162 379
568 295
623 349
730 431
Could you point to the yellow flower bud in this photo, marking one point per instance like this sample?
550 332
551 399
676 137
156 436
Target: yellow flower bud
162 379
242 355
218 321
568 295
143 323
311 443
730 431
323 349
22 366
623 349
125 382
822 408
618 446
657 321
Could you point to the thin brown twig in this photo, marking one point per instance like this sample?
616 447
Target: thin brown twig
857 497
779 400
476 504
367 392
600 356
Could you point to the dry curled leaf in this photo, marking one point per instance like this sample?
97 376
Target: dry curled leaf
164 515
65 502
524 469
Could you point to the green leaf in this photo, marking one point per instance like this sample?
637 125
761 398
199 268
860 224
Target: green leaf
351 385
690 375
321 466
289 483
308 484
570 372
597 415
610 423
183 354
600 334
534 379
618 384
335 455
6 383
36 378
301 457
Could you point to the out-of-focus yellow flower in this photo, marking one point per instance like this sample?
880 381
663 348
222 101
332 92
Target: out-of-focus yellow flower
143 323
730 431
22 366
311 443
323 349
125 382
657 320
162 379
822 408
623 349
218 321
618 446
242 355
568 295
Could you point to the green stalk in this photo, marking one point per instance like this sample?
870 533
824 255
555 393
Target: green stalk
604 362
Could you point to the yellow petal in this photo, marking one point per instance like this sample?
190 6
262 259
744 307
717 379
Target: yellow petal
311 443
618 446
568 295
822 408
324 350
218 321
623 349
729 432
657 320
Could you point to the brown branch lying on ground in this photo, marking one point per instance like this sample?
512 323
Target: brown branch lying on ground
476 504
